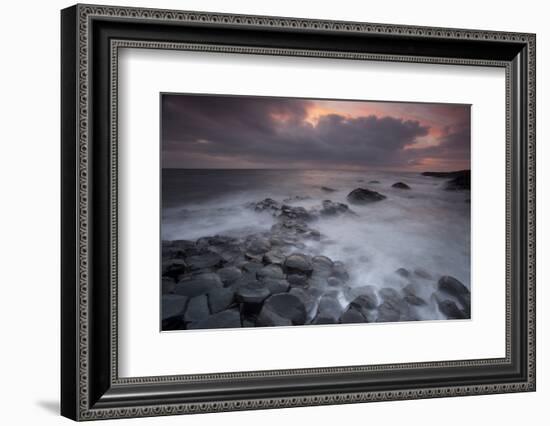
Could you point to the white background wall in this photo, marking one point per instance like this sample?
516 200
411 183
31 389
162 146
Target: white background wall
29 225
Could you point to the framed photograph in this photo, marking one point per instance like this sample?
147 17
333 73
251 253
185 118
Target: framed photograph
263 212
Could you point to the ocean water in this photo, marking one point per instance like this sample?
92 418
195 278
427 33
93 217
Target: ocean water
424 227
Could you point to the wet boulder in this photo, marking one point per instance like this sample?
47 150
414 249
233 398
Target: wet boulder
298 263
339 271
455 288
297 213
203 261
220 299
229 274
173 305
367 300
402 272
168 285
174 267
297 280
197 309
253 293
267 205
400 185
322 265
285 306
328 189
364 196
258 246
270 271
276 286
422 273
198 284
331 208
352 316
273 257
451 310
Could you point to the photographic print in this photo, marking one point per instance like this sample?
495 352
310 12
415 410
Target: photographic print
291 211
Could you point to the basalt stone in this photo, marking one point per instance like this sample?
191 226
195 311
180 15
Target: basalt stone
364 196
173 305
253 293
266 205
414 300
329 308
374 181
174 267
312 234
324 319
401 185
459 183
389 311
368 292
204 261
297 280
322 265
229 318
251 267
273 257
276 286
300 213
286 306
258 246
198 284
402 272
197 309
450 310
168 285
328 189
365 301
452 286
352 316
422 273
331 208
388 293
339 271
270 271
298 263
269 318
229 274
335 282
220 299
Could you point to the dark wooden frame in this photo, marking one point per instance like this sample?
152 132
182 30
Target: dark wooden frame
90 386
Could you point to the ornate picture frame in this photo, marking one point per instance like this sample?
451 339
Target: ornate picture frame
91 37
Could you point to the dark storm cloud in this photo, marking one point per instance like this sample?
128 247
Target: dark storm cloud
223 131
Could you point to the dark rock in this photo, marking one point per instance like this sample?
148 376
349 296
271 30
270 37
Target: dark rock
297 280
258 246
308 298
366 291
422 273
252 267
269 318
324 319
352 316
299 213
229 274
331 208
365 301
266 205
253 293
230 318
459 180
335 282
204 261
364 196
270 271
339 271
198 284
298 263
452 286
296 198
388 293
450 310
273 257
322 265
174 267
276 286
329 304
414 300
284 306
173 305
403 272
374 181
168 285
389 311
220 299
197 309
328 189
400 185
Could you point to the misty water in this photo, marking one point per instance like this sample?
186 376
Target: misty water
425 228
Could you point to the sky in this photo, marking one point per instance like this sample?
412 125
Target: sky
244 132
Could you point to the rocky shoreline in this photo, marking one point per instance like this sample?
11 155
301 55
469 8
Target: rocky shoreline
273 278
